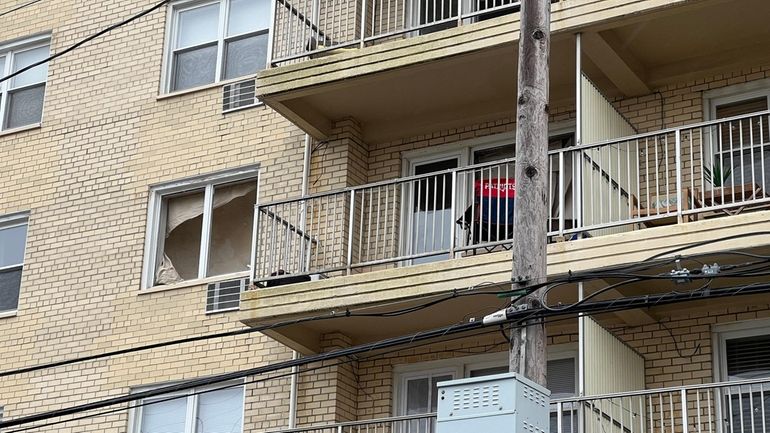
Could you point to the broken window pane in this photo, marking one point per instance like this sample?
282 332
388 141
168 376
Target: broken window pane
184 221
231 227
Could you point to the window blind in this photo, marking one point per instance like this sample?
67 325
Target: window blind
561 377
748 357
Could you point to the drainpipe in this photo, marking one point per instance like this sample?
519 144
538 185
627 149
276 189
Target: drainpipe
306 165
293 393
295 354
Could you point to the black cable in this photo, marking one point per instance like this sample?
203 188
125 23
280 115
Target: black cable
291 373
570 278
706 242
19 7
249 382
595 307
195 383
85 40
676 343
334 315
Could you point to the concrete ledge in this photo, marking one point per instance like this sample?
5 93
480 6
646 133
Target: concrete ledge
434 278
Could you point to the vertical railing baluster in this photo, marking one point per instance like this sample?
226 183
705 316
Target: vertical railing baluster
271 35
362 35
452 214
350 230
377 241
678 163
684 406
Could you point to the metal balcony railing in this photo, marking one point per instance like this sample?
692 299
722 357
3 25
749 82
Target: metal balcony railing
308 28
665 177
727 407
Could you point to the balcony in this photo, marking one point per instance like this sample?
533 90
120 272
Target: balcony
611 203
409 67
738 406
452 61
676 176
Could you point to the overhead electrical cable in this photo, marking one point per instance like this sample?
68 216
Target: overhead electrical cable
19 7
511 316
470 291
85 40
613 272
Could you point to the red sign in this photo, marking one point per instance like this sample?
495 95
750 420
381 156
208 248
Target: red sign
497 188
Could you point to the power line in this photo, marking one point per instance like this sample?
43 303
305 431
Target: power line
570 278
333 315
19 7
609 272
195 383
512 316
260 380
76 45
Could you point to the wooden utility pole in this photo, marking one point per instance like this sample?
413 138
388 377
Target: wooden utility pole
531 214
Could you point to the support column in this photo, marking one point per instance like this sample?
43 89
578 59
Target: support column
329 395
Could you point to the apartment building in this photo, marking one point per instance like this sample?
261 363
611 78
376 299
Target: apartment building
154 179
658 119
148 134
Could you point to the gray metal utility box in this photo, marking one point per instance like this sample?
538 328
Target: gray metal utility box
502 403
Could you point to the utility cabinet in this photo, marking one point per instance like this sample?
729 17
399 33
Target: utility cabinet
501 403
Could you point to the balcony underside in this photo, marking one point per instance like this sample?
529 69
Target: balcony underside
418 84
409 86
398 288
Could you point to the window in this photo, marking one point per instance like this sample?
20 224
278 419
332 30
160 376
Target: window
21 97
193 412
562 381
417 390
13 239
744 353
210 41
201 227
740 152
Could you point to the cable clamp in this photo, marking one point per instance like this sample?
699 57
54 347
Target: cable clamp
711 270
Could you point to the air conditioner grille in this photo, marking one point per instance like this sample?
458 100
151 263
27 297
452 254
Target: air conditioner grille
239 95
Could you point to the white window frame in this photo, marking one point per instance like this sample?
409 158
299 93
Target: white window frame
156 215
172 31
8 221
722 333
462 367
135 414
732 94
7 52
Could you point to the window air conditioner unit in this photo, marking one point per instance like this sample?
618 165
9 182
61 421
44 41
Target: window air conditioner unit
497 403
225 295
241 94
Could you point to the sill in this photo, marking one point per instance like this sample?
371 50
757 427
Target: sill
245 107
223 310
21 129
190 283
177 93
9 313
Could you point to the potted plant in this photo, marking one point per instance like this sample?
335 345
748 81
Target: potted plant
715 175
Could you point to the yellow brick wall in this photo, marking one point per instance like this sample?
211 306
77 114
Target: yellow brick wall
84 177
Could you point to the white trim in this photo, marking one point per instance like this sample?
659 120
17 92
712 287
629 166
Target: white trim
14 44
408 165
734 93
8 52
722 333
462 366
170 41
155 218
16 219
191 405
